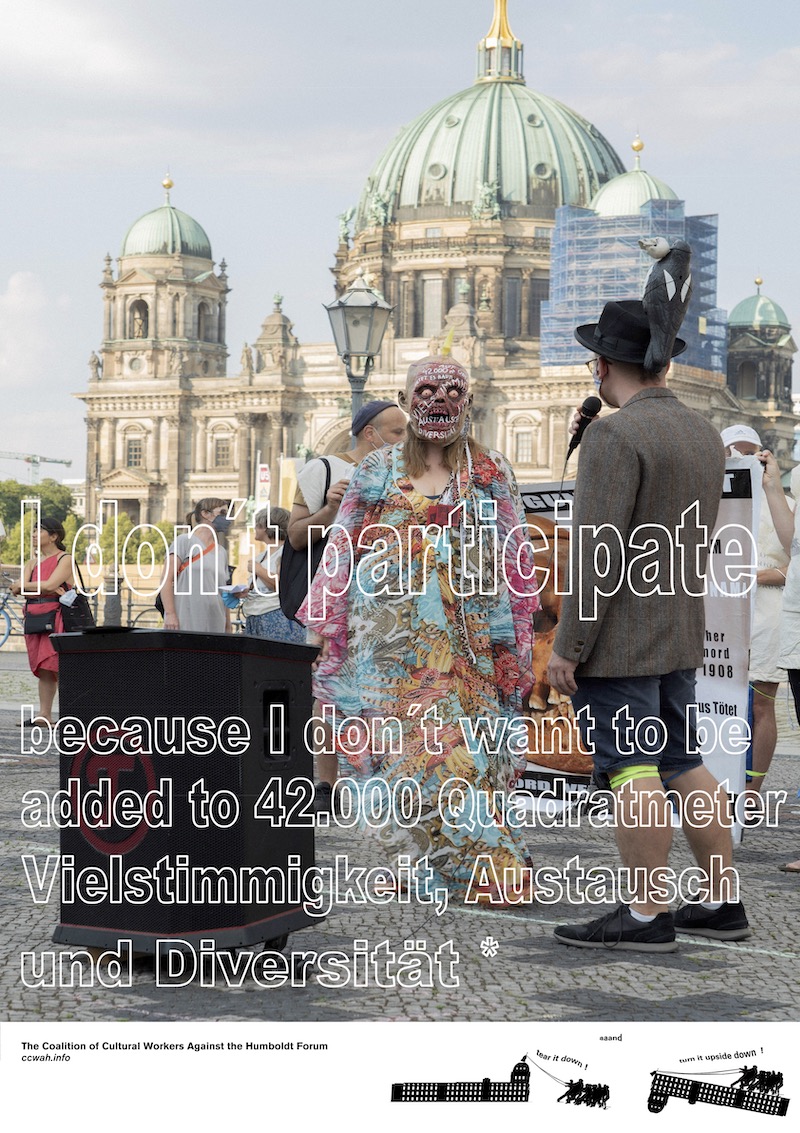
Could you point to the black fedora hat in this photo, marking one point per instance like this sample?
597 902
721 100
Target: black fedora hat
622 334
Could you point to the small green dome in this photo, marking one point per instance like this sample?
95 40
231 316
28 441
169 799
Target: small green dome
758 311
164 232
529 152
625 195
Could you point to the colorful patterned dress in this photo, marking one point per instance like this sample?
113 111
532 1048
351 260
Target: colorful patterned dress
403 643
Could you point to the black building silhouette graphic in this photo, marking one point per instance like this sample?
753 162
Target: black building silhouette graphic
516 1089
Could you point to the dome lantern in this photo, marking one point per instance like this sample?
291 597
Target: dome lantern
500 52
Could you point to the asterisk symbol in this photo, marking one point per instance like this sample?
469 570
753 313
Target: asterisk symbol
490 947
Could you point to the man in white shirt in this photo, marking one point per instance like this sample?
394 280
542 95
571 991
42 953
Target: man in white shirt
765 676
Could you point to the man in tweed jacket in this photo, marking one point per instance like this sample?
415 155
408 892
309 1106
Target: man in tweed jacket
631 634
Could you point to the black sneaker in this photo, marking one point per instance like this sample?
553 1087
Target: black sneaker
618 929
323 798
729 922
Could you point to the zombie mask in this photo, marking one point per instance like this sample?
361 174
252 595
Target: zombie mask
438 400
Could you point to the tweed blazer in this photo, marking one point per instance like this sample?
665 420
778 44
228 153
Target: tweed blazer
653 472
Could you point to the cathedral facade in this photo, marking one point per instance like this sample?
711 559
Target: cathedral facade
478 218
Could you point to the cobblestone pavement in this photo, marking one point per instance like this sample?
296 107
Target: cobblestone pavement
530 977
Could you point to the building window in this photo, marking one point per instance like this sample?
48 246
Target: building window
203 322
431 307
523 448
222 452
747 380
540 292
433 233
134 452
460 293
139 320
175 315
512 306
543 234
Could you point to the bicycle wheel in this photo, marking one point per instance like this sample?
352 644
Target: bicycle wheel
5 627
147 619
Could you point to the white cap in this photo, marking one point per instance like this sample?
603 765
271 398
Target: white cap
736 433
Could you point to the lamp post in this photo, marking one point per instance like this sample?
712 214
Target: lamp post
358 320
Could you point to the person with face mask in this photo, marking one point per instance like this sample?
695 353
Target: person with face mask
197 566
765 675
424 601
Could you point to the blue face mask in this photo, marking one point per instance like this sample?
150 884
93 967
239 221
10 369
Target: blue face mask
221 525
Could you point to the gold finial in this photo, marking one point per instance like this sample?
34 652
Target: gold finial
500 29
637 145
758 281
167 183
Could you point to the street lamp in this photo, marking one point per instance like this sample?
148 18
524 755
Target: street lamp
358 321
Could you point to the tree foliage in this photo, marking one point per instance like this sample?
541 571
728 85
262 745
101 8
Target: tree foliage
56 500
80 537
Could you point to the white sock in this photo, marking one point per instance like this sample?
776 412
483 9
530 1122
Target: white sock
645 918
712 906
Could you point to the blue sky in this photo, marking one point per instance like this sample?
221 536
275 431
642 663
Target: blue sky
269 116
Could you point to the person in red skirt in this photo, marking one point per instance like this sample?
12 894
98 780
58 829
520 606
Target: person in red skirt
53 568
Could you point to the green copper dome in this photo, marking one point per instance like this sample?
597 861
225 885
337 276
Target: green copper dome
758 311
626 194
533 153
496 149
166 231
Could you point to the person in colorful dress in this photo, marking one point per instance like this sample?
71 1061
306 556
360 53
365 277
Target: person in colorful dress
53 568
427 618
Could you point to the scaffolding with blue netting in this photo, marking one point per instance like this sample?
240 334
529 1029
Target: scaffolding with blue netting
596 259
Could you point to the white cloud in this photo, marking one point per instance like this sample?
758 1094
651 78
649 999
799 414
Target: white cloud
24 331
103 55
698 97
38 416
59 42
310 154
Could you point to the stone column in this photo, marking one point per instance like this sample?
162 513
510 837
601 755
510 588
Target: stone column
525 300
244 422
175 510
287 427
200 445
410 313
92 465
500 442
497 301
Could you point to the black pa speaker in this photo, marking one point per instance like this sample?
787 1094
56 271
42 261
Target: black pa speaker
183 762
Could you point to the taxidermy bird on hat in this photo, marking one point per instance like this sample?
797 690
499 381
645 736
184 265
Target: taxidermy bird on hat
667 291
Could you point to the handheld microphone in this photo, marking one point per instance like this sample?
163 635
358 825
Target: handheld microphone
588 411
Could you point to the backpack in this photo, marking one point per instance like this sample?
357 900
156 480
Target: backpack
297 567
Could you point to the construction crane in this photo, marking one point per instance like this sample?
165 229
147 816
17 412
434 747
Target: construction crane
34 460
